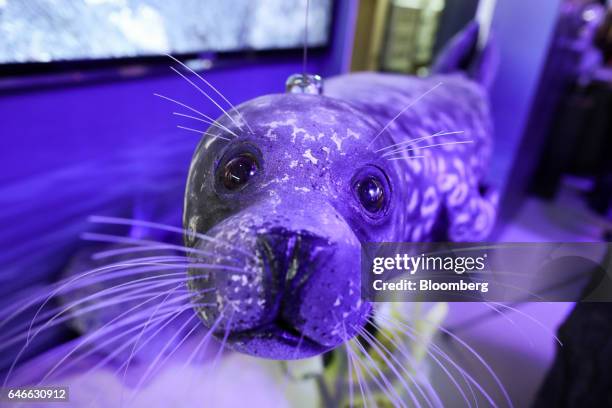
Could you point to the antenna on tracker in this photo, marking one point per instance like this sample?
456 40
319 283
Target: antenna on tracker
305 82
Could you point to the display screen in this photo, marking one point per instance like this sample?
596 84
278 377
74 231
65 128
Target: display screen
57 30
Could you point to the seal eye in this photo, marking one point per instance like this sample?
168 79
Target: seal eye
239 170
371 194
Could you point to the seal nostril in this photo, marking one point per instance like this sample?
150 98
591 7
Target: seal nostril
289 255
289 260
286 326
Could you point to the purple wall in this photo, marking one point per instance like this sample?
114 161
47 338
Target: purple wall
47 129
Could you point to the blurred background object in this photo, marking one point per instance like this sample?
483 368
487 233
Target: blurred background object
52 31
568 137
548 101
405 35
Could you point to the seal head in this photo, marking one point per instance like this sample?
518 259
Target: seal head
279 212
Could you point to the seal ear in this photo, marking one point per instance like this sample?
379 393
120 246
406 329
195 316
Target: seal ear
463 54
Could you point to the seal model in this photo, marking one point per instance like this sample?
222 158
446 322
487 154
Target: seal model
286 187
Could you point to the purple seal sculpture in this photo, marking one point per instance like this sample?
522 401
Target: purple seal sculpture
283 190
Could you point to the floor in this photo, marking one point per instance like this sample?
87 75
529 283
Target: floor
519 346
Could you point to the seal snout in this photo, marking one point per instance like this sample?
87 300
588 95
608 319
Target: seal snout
289 260
299 294
313 288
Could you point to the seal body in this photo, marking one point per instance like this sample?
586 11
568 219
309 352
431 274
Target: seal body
296 226
447 180
283 190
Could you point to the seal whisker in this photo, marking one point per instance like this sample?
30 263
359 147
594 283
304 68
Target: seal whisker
152 323
163 227
380 347
20 302
213 88
419 139
432 354
138 338
73 283
207 96
30 339
159 355
224 339
61 316
166 314
209 121
407 158
129 288
204 342
509 320
533 319
85 279
72 358
349 363
139 245
361 381
469 379
387 388
390 336
411 104
55 313
105 331
216 124
65 287
149 268
200 348
201 132
156 364
135 248
156 260
403 150
63 284
382 351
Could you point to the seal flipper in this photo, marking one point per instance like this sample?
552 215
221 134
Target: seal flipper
463 53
